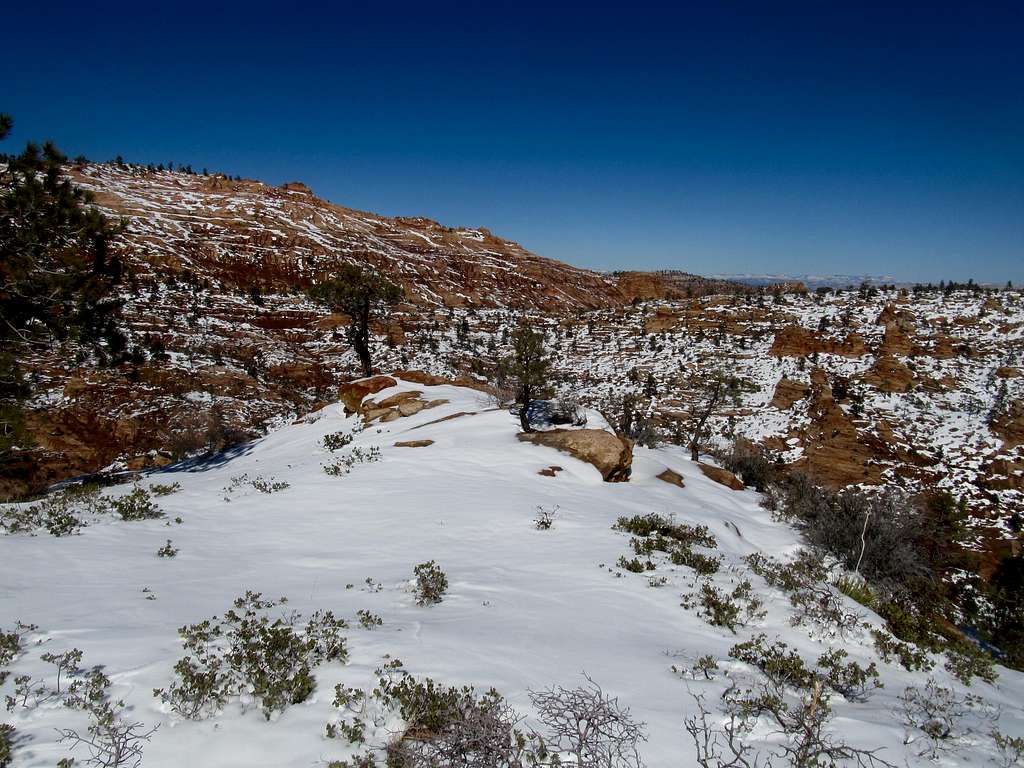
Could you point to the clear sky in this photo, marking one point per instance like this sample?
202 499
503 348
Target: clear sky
710 137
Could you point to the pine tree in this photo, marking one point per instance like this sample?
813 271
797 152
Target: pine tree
363 295
529 366
56 272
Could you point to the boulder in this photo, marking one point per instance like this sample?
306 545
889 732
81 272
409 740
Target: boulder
787 392
377 413
410 407
797 341
673 477
896 341
422 377
398 397
722 476
351 393
413 443
610 454
889 374
1009 424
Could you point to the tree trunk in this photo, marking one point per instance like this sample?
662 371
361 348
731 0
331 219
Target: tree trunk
362 349
361 339
526 395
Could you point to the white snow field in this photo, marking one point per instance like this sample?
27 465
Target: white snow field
525 608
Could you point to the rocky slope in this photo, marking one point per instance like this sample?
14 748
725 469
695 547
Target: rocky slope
882 386
245 235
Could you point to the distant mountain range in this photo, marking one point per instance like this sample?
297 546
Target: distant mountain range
813 281
830 281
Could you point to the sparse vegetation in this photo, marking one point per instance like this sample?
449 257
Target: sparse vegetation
137 505
733 609
655 533
164 489
545 518
248 650
167 550
335 441
368 620
431 583
586 726
357 455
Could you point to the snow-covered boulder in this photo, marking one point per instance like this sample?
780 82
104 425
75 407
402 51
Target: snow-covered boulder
610 454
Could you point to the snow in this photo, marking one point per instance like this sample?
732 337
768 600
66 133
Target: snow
525 608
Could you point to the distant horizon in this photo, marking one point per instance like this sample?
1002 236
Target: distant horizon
857 139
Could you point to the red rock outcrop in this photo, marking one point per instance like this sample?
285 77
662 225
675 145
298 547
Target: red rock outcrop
610 454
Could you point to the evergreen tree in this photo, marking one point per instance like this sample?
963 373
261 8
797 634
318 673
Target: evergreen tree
529 366
363 295
56 272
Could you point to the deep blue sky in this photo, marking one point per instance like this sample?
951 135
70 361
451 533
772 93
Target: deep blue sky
710 137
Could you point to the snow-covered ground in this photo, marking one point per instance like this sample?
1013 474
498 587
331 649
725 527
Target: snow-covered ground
525 608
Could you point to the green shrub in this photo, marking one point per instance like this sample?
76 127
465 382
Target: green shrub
706 666
857 590
137 505
910 657
702 564
268 485
357 455
368 620
11 642
729 610
965 662
635 565
59 513
247 650
805 569
850 680
335 441
1009 748
650 524
655 533
778 662
167 550
814 601
431 583
6 744
161 489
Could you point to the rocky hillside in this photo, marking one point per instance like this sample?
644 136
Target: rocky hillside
915 389
245 235
225 340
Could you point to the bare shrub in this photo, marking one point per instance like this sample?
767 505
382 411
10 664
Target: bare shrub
545 517
440 725
589 725
800 725
111 740
936 715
